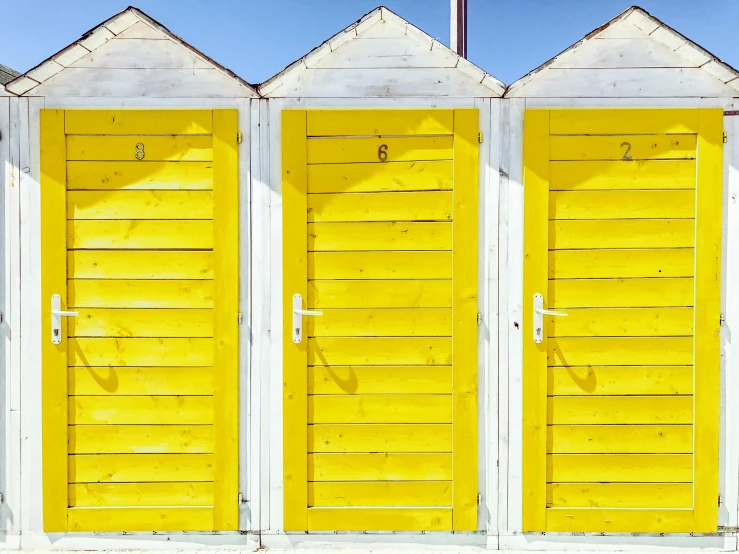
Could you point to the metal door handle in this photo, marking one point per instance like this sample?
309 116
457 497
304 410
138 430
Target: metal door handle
298 313
307 312
550 312
56 318
539 313
64 314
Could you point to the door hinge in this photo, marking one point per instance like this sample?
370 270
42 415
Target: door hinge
239 137
241 318
479 319
720 501
721 319
726 137
479 499
480 137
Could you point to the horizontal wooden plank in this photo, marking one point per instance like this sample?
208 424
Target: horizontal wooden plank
139 176
413 322
165 381
584 520
89 495
364 150
141 439
625 121
381 493
620 380
620 264
139 234
621 293
379 265
380 206
140 410
380 438
120 293
619 468
379 351
621 233
424 293
387 177
615 175
620 496
148 148
622 322
139 204
379 122
139 519
620 351
355 408
620 439
380 519
380 380
622 147
141 122
619 410
140 352
132 468
622 204
379 236
379 467
153 264
101 322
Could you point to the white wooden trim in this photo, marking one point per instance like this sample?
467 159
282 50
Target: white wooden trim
139 541
594 542
427 542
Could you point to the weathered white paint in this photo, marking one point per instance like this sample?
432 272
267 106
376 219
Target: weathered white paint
141 29
617 53
141 54
96 38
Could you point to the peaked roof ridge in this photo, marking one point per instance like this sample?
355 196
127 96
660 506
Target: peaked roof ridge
98 36
660 32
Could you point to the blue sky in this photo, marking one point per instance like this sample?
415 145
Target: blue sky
257 38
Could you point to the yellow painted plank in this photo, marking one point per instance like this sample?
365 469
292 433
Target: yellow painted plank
140 519
381 493
140 439
399 149
380 206
354 408
620 351
379 122
139 204
380 265
594 264
379 467
53 357
615 175
623 147
621 439
430 322
621 293
140 352
436 293
623 121
380 438
395 176
101 322
102 264
619 468
579 520
147 148
90 495
619 410
623 380
123 234
139 176
379 351
128 468
379 236
144 122
622 233
621 496
622 322
380 519
380 380
140 410
113 293
622 204
180 381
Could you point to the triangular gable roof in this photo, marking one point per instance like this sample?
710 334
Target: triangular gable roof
429 55
668 47
118 25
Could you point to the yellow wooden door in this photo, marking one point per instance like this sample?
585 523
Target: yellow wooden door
622 233
380 389
139 219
